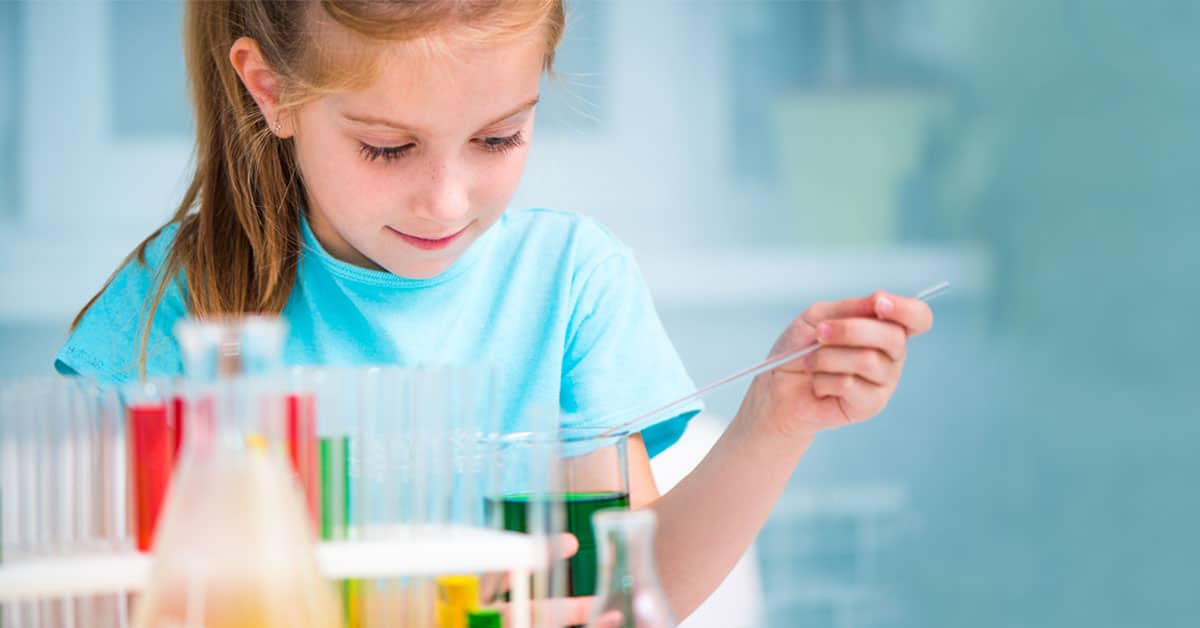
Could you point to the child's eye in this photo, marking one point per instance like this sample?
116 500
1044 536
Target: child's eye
388 153
501 144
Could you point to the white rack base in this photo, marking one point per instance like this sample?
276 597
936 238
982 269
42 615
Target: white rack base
405 552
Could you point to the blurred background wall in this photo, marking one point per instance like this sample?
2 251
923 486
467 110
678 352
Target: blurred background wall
1037 466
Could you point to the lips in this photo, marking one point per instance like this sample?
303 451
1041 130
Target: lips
428 244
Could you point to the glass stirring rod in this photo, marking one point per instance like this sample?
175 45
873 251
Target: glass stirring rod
926 295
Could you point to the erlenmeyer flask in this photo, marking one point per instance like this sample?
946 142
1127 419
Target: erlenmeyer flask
234 546
252 346
629 585
225 347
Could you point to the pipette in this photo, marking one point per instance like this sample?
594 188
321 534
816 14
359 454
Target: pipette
926 295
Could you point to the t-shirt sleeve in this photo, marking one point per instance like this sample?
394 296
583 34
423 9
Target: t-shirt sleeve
619 362
106 345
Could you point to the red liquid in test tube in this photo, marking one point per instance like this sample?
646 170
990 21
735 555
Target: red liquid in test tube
177 409
301 413
153 441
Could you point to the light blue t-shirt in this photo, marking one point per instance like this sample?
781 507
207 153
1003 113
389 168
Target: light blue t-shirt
549 298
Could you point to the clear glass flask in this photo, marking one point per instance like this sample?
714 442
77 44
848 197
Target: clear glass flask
630 594
234 543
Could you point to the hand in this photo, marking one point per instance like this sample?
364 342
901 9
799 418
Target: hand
570 611
852 376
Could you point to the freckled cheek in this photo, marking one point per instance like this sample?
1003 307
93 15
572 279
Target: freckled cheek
495 185
368 192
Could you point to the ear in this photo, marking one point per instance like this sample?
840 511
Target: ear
262 83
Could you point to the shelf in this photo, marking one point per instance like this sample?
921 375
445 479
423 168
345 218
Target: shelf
411 552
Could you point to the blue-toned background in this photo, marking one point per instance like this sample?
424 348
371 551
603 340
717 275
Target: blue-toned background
1038 465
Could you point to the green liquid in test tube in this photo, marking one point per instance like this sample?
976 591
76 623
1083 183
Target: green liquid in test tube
335 486
335 509
333 452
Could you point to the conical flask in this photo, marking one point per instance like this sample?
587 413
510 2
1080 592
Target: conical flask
234 546
630 594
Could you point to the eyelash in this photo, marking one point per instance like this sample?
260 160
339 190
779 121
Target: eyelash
489 144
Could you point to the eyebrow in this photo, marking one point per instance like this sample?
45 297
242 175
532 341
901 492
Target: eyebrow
374 121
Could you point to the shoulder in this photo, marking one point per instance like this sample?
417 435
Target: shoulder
105 343
596 274
573 238
159 246
138 277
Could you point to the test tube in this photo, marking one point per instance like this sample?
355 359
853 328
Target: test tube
11 476
388 490
50 455
9 486
151 430
114 470
333 404
114 473
300 416
475 426
22 484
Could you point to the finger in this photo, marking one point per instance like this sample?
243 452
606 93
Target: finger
913 314
857 398
865 333
798 334
872 365
857 307
565 611
563 546
492 585
574 611
611 619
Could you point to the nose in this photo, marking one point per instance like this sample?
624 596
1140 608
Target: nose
441 194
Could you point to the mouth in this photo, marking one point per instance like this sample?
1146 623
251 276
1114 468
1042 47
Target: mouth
428 244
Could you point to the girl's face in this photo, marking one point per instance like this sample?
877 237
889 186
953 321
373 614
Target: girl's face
404 175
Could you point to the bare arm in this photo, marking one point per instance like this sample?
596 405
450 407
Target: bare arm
712 516
709 519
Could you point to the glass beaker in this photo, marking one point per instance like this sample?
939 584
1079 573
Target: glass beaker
552 482
630 593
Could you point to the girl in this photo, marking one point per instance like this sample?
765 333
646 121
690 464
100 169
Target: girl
354 162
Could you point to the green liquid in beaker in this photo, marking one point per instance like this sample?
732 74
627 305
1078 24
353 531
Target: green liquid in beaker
578 507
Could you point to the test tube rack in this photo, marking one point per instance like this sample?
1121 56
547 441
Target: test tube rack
409 551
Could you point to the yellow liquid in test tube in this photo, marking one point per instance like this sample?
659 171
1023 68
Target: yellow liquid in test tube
456 597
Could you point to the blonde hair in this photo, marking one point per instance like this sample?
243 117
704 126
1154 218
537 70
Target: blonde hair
238 242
